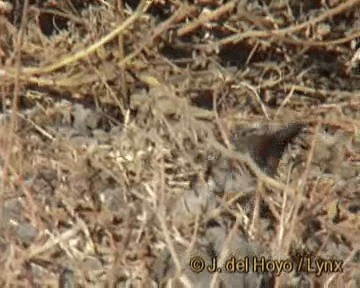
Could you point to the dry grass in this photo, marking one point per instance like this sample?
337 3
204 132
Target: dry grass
108 118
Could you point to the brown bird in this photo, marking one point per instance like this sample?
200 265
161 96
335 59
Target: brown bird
265 147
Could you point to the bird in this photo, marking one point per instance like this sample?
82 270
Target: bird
223 176
266 147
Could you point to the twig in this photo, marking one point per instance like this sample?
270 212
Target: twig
321 93
143 6
15 103
178 16
225 250
310 157
286 100
256 210
161 217
282 32
219 123
257 97
206 18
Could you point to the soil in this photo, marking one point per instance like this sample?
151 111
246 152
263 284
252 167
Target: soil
117 153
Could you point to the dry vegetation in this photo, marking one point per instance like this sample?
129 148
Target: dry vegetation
110 110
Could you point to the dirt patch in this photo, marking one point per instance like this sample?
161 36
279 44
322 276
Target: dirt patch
142 141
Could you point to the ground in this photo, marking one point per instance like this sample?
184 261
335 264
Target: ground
116 113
